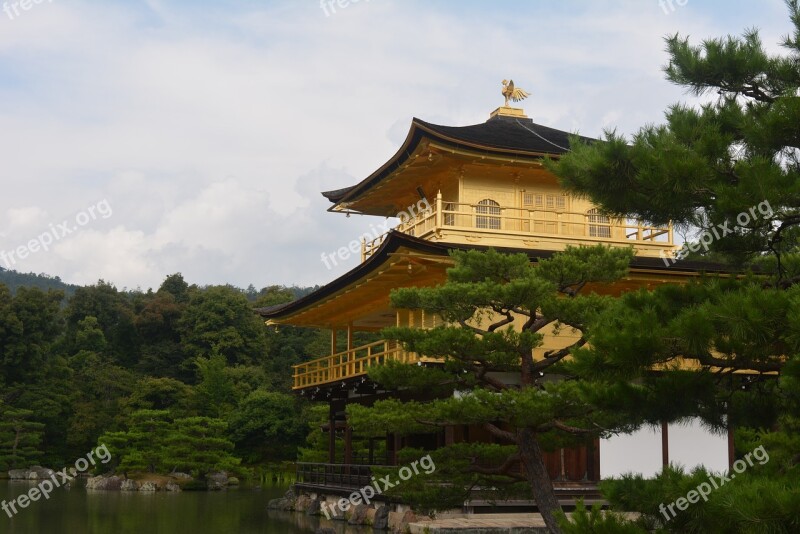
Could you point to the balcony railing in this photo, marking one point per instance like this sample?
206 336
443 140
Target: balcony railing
349 363
337 476
553 224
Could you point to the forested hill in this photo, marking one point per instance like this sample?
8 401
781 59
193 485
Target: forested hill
96 365
13 280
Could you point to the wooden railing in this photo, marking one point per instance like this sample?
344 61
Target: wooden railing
337 476
571 226
349 363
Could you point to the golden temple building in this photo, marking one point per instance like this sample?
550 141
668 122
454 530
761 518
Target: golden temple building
454 187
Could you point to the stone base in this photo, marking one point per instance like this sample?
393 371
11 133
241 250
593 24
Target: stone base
505 111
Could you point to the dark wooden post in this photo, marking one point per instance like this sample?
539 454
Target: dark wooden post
348 444
665 445
332 434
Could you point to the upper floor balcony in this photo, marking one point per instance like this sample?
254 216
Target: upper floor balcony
350 363
488 223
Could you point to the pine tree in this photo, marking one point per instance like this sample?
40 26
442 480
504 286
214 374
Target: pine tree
497 308
20 438
728 173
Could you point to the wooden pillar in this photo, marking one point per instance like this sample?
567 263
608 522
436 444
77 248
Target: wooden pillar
332 434
665 445
449 435
371 458
439 216
350 355
590 464
348 444
333 340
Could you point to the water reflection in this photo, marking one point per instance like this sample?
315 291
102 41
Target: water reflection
237 511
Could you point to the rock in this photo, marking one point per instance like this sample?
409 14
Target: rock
129 485
36 472
233 481
218 477
371 516
217 480
171 486
404 519
359 515
285 504
103 483
315 508
394 521
148 486
18 474
302 503
326 530
181 476
381 521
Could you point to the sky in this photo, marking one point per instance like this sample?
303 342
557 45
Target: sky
144 138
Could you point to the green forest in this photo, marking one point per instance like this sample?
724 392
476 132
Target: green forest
155 375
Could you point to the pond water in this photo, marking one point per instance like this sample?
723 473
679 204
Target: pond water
236 511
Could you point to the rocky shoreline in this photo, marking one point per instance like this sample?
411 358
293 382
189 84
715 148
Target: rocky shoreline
392 518
174 482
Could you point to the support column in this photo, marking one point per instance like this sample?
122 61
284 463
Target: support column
351 366
332 434
665 445
348 444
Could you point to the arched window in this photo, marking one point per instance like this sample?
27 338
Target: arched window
484 210
599 225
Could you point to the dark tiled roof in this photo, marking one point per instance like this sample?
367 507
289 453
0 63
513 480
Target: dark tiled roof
509 133
500 134
337 194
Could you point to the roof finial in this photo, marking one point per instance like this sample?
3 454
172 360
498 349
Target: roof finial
515 94
511 94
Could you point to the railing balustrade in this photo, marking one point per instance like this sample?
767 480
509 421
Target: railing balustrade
574 226
349 363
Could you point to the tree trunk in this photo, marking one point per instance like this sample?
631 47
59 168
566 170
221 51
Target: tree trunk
536 473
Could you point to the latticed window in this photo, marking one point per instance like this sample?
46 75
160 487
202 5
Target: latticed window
449 218
487 214
527 199
599 225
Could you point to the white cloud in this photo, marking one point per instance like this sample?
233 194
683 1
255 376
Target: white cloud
212 127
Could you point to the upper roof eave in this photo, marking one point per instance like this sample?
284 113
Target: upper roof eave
478 137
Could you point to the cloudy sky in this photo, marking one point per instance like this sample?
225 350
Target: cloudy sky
195 136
